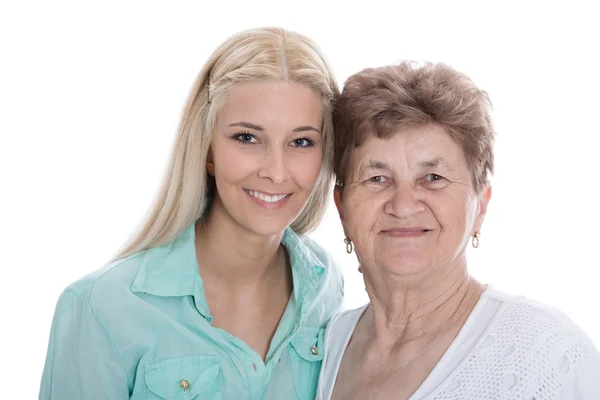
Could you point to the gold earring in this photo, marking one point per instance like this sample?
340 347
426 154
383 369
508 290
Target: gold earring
475 240
349 245
210 167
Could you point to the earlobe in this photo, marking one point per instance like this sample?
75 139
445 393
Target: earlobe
210 166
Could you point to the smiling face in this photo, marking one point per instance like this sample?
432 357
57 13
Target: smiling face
267 153
408 203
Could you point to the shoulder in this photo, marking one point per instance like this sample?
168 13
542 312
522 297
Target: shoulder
316 252
534 346
547 329
112 282
317 278
343 323
528 349
330 274
536 320
330 286
92 308
337 336
338 332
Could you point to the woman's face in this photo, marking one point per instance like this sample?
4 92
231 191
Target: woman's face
408 203
267 154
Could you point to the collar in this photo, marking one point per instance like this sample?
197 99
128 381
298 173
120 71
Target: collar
172 270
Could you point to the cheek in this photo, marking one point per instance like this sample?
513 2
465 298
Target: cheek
362 211
232 169
306 168
454 212
233 163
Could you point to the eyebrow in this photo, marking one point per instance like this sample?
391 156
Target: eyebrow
259 128
382 165
374 165
305 128
434 162
248 125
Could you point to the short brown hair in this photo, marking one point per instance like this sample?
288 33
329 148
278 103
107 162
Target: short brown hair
382 101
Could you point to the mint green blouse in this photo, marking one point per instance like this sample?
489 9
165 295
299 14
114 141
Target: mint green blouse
140 328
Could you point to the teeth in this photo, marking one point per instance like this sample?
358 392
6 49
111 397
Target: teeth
266 197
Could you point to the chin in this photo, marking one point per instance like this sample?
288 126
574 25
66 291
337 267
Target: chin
264 227
261 222
406 264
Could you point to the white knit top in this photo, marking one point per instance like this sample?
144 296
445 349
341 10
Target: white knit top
509 348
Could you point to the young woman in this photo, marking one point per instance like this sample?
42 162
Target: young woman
219 296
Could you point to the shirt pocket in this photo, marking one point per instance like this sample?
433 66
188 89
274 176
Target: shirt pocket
306 355
184 378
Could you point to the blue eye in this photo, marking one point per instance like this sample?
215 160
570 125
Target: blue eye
302 142
245 138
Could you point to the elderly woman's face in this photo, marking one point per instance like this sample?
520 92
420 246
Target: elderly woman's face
408 203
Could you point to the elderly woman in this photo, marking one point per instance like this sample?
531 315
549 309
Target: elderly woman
414 148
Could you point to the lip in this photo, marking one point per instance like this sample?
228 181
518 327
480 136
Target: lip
268 205
266 193
415 231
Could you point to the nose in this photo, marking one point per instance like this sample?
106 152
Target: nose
405 201
274 166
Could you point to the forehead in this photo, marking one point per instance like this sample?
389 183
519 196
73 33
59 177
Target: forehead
270 100
411 147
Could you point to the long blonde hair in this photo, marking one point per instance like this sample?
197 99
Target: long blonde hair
263 55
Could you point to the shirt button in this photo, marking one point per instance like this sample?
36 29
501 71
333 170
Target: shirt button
184 384
314 350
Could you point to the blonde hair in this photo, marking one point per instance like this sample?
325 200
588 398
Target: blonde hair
255 55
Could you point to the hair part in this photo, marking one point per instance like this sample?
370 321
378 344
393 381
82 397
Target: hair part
384 101
255 55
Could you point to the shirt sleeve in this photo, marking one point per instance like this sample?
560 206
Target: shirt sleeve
82 361
583 380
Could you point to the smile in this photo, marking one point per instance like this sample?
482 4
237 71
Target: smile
406 232
266 197
268 201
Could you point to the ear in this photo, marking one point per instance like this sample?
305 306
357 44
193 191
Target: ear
337 198
483 201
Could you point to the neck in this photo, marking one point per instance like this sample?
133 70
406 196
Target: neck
419 308
232 254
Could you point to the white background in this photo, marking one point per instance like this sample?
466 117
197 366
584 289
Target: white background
91 95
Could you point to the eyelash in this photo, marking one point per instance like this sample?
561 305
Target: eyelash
381 178
374 179
309 142
238 137
439 177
